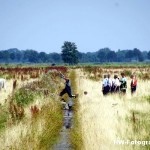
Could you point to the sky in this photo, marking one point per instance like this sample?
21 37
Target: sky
44 25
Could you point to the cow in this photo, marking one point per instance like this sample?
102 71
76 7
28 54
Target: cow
2 83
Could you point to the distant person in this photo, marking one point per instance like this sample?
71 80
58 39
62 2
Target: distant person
105 88
133 84
123 83
109 83
115 84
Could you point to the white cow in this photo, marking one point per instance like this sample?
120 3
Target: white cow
2 83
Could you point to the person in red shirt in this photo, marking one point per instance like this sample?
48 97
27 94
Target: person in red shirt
133 84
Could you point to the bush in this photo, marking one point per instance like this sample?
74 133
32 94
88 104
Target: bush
127 73
24 97
3 118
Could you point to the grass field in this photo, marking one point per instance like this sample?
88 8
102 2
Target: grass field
31 114
114 117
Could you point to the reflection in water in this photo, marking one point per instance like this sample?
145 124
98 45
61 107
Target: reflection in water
68 118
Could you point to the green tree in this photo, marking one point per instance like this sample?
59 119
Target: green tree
55 57
42 57
5 56
129 55
121 55
12 56
111 56
138 55
102 54
31 56
148 55
69 53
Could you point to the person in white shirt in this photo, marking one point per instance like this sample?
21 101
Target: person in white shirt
116 84
109 83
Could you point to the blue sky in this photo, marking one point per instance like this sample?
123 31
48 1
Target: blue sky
44 25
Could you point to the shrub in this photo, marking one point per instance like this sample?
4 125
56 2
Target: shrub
24 97
127 73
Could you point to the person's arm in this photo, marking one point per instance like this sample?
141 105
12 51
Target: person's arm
61 75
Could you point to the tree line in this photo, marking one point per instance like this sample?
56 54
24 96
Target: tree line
70 55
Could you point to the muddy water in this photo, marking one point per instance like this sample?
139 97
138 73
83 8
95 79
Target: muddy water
64 142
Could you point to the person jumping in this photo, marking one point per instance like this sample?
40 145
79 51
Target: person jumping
67 88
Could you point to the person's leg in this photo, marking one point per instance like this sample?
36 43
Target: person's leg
123 91
105 91
63 92
112 89
68 91
133 90
117 89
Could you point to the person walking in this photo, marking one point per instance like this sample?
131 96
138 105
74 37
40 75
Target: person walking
123 85
105 88
109 83
133 84
115 84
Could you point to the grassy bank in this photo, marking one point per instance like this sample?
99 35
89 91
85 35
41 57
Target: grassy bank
40 124
76 131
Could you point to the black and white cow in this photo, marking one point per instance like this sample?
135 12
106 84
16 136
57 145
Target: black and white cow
2 83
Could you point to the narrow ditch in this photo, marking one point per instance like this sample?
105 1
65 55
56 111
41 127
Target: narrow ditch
64 139
64 142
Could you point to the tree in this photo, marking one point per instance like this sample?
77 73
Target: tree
18 55
129 55
102 54
5 56
55 57
121 55
42 57
69 53
138 54
111 56
148 55
31 56
12 56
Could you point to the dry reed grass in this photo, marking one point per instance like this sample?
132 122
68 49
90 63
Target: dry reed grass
105 119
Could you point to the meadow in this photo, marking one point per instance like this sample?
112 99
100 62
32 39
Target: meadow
30 109
31 115
107 119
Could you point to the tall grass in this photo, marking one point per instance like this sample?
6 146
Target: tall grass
38 129
76 131
37 133
106 119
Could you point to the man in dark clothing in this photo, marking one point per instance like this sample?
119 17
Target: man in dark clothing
123 83
67 88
